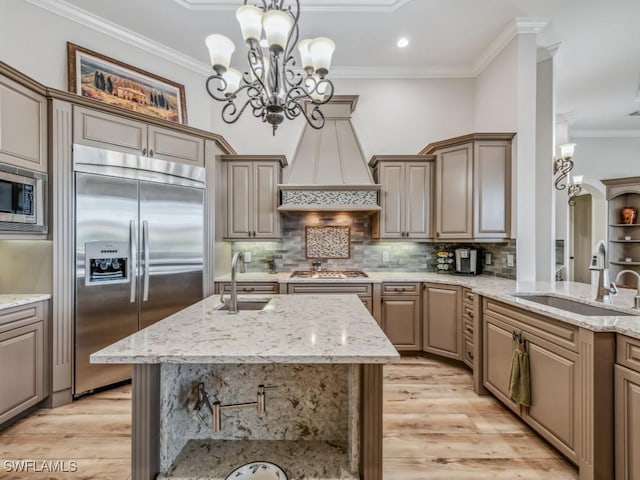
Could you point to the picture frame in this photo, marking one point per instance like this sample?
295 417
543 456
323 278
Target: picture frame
102 78
327 242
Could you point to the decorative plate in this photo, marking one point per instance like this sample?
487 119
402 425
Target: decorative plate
258 471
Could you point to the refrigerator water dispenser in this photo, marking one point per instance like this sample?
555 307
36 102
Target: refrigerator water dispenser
106 263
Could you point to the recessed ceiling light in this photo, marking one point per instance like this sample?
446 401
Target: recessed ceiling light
403 42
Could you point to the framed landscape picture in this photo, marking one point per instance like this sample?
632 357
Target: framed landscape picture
101 78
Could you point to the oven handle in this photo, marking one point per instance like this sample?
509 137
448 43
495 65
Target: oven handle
132 260
145 240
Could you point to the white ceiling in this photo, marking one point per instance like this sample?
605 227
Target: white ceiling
599 72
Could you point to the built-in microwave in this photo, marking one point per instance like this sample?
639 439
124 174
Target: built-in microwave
22 200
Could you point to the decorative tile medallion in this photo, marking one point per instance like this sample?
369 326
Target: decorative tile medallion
328 242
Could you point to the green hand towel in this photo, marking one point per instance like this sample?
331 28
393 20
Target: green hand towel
520 378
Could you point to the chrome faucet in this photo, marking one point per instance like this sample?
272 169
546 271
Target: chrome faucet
236 261
604 289
636 299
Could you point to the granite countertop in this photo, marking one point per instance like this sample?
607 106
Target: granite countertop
502 290
301 329
10 300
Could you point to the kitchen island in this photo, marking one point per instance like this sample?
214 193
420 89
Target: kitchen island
323 419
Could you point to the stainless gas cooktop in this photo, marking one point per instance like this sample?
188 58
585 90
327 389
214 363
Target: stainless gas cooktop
328 274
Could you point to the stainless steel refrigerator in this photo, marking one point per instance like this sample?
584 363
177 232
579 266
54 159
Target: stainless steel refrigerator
139 236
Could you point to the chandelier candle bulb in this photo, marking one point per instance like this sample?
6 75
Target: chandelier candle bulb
277 25
220 51
321 50
250 20
305 56
233 78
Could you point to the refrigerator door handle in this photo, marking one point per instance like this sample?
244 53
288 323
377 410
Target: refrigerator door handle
145 242
132 260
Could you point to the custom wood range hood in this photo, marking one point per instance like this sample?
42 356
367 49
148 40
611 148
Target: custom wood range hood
329 171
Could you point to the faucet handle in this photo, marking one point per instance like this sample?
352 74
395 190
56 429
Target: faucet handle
613 289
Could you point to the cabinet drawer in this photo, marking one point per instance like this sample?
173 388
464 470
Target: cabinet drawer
363 290
549 329
257 287
628 352
400 288
19 316
467 326
468 296
467 351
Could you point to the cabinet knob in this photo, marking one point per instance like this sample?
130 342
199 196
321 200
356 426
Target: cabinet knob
151 153
144 151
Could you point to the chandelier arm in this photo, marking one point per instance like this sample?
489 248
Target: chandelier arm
231 113
255 57
564 167
294 34
221 88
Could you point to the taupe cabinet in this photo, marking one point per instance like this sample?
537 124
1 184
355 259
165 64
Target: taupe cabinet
406 195
627 408
442 320
113 132
23 126
401 315
553 357
473 187
252 196
22 358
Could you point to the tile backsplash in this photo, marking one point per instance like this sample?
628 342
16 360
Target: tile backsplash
366 253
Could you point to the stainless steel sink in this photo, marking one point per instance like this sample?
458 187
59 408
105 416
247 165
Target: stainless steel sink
571 305
245 306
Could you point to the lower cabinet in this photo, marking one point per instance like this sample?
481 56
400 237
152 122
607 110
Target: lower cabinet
553 360
401 316
627 409
22 359
442 320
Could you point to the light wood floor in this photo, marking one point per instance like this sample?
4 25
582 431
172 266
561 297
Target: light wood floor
435 428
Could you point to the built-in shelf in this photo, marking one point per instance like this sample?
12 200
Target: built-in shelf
624 241
215 459
633 264
624 225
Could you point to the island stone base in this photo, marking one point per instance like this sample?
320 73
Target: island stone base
163 399
215 459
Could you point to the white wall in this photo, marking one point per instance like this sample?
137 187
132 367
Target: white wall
38 49
393 116
603 158
496 103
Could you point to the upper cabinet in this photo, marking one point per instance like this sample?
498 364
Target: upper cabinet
23 126
251 199
406 195
113 132
623 195
473 187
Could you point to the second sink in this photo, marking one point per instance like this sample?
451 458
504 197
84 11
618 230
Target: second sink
571 305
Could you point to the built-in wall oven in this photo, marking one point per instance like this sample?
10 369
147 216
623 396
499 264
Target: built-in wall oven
22 200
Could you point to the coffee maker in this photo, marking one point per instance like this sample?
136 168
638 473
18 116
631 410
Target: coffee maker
466 261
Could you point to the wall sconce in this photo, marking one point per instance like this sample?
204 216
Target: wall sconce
575 188
563 164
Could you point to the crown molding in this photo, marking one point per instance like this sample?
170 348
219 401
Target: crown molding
604 134
520 25
78 15
370 6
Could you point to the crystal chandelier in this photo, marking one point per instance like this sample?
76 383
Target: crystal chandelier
275 90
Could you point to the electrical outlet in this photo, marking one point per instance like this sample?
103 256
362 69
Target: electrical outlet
247 257
510 260
385 256
487 259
